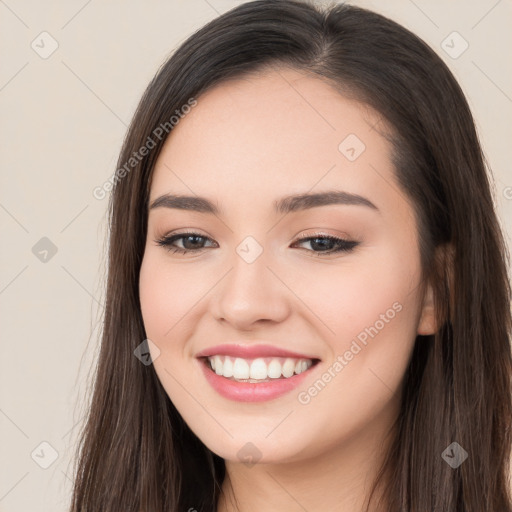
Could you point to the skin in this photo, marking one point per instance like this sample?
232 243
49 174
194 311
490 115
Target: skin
247 143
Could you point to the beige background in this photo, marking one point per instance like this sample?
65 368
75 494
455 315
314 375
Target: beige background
62 122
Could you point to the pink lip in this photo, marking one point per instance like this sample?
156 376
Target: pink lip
250 351
251 391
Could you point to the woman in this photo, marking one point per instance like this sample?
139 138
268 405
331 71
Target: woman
307 300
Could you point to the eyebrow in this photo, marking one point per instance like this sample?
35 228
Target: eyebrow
284 205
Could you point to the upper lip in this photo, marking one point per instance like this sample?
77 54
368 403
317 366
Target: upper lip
251 351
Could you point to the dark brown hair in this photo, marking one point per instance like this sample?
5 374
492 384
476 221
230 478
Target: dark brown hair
137 454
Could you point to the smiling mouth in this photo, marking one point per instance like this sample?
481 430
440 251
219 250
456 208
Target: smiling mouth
257 370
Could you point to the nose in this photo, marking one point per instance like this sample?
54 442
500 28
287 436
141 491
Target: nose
251 293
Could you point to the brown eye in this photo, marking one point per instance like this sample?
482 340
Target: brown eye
328 244
191 242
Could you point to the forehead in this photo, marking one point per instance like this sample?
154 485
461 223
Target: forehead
277 132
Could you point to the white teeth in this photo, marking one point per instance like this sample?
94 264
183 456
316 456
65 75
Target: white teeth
240 369
274 369
227 369
288 368
260 368
218 365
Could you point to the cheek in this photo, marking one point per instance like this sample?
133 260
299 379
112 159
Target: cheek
153 292
378 287
167 293
374 321
374 317
167 296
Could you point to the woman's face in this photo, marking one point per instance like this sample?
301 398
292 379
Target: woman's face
347 311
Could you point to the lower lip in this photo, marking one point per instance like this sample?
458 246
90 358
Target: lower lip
252 391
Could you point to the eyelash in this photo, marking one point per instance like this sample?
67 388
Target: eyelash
344 245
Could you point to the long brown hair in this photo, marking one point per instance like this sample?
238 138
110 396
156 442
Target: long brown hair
137 454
